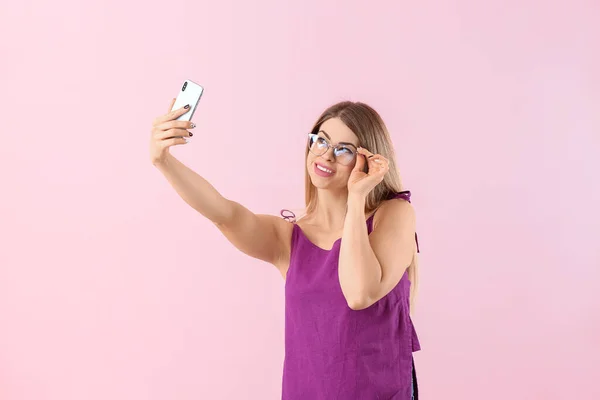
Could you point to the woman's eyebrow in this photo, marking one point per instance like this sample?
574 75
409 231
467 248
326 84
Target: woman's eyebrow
325 133
329 137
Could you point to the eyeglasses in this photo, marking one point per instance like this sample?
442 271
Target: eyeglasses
344 153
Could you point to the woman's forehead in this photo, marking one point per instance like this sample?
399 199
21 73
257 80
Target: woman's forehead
338 131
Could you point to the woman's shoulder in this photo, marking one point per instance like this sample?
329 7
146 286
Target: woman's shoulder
391 201
391 208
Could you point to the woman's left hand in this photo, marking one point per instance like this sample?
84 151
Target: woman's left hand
361 183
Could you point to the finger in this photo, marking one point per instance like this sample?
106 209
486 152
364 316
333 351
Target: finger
175 124
365 152
377 165
370 156
360 163
380 160
382 169
366 155
170 133
173 142
172 115
377 159
373 162
171 106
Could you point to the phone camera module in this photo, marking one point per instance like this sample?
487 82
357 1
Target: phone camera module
184 86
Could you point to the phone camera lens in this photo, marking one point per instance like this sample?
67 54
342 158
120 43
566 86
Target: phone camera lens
184 86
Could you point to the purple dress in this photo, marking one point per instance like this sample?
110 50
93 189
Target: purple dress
333 352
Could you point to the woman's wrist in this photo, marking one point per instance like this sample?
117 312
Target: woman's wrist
356 202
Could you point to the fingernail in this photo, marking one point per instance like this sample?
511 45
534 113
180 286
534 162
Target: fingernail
193 125
191 134
187 106
187 139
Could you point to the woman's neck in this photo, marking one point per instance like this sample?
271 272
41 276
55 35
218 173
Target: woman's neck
330 211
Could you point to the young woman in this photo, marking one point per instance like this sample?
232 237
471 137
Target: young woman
349 264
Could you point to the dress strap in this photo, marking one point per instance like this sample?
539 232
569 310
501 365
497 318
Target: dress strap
288 215
405 195
370 224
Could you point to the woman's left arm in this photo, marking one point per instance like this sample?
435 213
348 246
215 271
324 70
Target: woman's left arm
371 266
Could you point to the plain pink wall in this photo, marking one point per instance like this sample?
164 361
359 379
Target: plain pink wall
112 288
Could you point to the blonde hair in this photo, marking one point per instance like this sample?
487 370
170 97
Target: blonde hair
373 135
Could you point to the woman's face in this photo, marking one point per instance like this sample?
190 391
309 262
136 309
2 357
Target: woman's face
329 170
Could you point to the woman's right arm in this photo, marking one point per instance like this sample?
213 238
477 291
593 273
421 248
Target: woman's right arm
264 237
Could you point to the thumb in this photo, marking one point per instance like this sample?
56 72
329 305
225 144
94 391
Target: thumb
360 163
171 106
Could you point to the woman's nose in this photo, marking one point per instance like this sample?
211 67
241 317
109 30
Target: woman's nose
329 156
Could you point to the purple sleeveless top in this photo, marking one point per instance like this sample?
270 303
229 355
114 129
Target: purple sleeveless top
333 352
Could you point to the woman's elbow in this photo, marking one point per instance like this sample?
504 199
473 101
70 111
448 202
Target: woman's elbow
359 302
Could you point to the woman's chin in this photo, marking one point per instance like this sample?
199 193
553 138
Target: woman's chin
326 183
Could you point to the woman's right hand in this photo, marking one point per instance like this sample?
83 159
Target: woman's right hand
264 237
167 132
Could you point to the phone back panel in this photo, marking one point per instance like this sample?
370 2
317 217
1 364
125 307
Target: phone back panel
190 93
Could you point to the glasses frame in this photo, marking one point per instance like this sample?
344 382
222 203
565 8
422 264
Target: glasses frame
331 146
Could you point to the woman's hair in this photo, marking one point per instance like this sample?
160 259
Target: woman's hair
373 135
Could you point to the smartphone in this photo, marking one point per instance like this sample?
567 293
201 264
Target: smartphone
190 93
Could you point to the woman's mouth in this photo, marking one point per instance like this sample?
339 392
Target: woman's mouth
323 171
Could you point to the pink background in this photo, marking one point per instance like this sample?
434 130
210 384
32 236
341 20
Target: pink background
112 288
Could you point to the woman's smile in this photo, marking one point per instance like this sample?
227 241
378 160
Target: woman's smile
323 171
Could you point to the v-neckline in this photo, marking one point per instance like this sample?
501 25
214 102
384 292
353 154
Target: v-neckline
314 244
336 242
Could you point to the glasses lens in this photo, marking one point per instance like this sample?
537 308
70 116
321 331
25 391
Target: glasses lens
317 145
344 155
